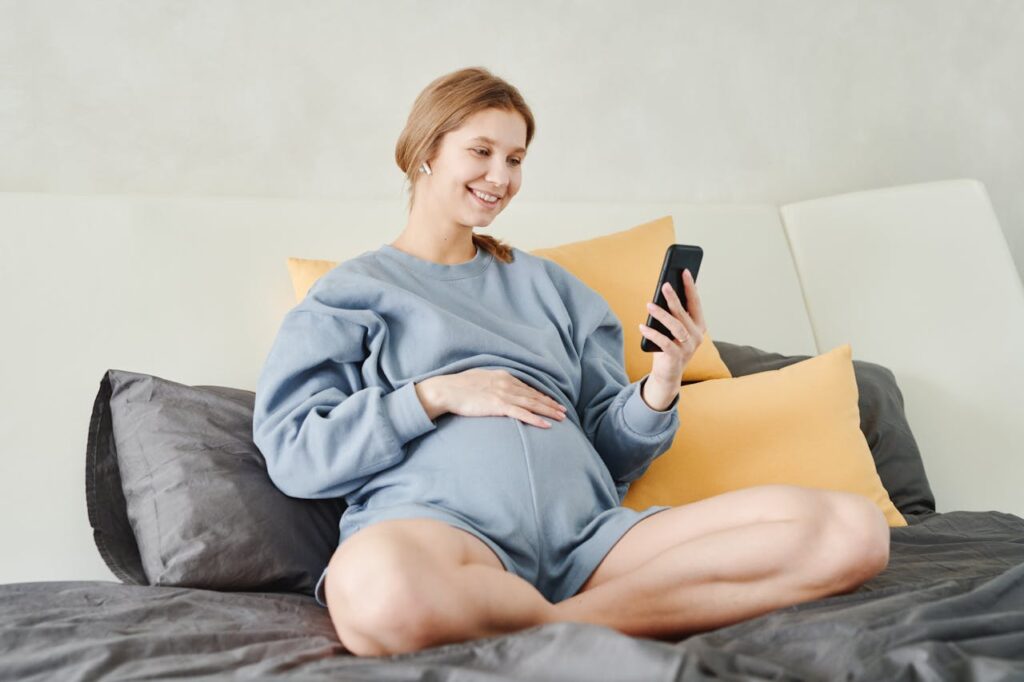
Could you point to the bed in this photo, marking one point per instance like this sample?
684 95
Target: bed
212 580
949 606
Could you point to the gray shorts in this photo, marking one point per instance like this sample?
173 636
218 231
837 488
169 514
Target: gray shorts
542 499
558 570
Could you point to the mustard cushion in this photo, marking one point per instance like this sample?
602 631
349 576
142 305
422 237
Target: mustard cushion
305 272
798 425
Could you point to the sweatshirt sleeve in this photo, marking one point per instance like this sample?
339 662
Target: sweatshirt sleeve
322 432
625 430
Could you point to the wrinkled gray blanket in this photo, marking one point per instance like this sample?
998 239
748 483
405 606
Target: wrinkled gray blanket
949 606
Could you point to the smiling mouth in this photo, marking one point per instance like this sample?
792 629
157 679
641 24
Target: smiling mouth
482 202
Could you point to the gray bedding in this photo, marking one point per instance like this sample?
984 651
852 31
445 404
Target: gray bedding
949 606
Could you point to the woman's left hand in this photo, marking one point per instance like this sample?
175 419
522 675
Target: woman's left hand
687 329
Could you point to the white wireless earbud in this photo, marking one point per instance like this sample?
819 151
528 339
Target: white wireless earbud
425 168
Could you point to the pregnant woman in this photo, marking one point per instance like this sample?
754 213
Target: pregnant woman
470 402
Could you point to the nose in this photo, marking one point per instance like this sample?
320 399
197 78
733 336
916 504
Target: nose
498 174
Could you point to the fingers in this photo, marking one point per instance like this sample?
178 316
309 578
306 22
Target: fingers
528 417
526 401
534 397
663 342
527 408
679 323
543 405
676 305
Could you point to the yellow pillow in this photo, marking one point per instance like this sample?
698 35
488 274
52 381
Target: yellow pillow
305 272
623 267
798 425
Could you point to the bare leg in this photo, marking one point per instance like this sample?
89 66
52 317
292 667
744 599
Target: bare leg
710 581
480 601
470 602
404 597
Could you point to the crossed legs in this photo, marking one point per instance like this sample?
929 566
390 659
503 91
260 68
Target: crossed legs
410 584
732 557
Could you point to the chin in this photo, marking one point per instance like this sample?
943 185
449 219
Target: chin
483 223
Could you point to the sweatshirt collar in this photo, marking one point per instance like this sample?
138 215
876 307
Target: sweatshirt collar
474 266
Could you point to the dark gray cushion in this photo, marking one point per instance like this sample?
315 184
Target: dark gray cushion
178 494
882 420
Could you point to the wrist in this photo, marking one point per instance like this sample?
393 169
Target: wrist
428 391
658 395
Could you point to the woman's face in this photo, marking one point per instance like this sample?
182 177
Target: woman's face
466 161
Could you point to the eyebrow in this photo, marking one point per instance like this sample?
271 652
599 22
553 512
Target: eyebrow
490 141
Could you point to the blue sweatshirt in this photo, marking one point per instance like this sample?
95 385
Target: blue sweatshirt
337 413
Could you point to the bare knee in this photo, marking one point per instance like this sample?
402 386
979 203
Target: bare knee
842 539
376 600
856 546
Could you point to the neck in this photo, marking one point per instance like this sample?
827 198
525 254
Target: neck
430 236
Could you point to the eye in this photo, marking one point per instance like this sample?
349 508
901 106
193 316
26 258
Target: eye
485 152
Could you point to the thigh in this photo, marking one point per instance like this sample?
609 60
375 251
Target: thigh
409 541
430 547
665 529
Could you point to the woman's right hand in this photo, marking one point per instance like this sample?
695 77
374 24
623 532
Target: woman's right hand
482 392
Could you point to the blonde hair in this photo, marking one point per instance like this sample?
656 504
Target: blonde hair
443 106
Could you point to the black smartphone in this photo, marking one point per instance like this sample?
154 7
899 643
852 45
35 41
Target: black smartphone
678 257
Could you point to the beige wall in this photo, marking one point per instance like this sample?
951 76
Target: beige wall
738 101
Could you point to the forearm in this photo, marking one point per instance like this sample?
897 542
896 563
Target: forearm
325 445
630 434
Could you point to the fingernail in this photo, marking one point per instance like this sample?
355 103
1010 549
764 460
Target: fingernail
547 423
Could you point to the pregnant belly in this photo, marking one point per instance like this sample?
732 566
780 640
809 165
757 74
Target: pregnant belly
495 469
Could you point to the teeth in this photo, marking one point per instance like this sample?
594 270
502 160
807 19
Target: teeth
486 197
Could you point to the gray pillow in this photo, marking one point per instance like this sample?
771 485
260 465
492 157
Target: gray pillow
178 494
882 420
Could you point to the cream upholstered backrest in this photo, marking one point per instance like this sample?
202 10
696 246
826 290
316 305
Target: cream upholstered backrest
919 278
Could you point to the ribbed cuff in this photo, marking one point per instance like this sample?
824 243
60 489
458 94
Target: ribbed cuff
642 418
408 416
